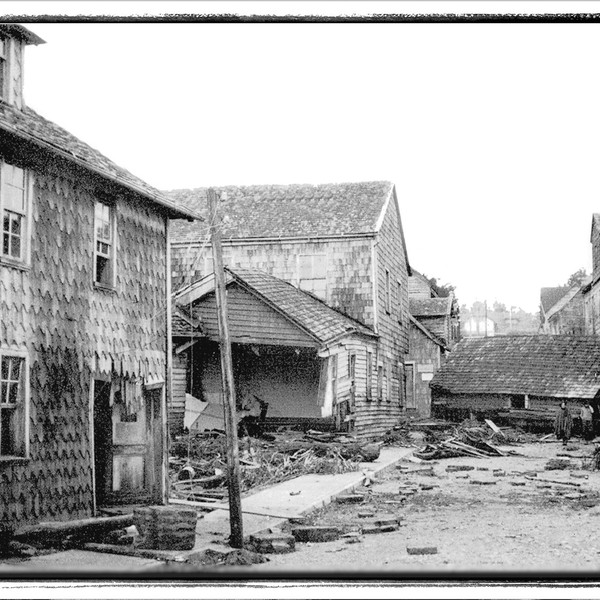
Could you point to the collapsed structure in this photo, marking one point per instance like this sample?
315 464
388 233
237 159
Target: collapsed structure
342 243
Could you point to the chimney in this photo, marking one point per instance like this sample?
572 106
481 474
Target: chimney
13 39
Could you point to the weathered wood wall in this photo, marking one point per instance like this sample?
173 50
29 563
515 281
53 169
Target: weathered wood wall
349 267
72 331
426 355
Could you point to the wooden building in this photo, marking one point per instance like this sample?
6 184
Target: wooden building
562 309
591 291
434 330
85 305
426 355
524 377
343 243
309 362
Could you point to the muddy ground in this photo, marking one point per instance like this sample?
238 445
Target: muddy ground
499 516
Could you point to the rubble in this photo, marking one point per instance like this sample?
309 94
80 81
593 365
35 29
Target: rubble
197 466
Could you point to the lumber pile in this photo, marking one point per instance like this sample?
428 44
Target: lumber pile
466 441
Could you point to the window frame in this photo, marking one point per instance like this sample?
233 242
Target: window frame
24 399
369 376
112 257
24 260
388 292
4 76
399 294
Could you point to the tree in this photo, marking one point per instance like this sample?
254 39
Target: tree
443 291
499 307
577 277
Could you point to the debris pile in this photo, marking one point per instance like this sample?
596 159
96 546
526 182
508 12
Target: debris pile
198 462
470 438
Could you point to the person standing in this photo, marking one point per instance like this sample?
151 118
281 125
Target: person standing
563 423
586 415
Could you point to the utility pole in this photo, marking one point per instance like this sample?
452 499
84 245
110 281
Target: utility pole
233 466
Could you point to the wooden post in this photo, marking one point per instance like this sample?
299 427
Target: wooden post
233 467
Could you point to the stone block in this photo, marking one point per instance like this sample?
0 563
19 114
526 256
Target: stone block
421 549
499 473
365 514
482 482
349 498
166 527
273 543
453 468
315 534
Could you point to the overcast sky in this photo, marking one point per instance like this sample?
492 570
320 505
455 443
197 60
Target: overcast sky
491 133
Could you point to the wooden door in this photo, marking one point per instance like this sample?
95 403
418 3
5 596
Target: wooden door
409 378
127 448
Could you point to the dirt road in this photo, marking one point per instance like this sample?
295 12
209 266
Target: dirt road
499 515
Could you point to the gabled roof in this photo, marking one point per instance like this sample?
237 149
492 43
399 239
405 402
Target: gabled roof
549 296
434 338
307 312
430 307
571 293
289 211
558 366
28 125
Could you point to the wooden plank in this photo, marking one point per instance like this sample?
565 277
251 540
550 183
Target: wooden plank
224 506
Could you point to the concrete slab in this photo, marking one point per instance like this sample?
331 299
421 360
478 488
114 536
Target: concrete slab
283 500
82 560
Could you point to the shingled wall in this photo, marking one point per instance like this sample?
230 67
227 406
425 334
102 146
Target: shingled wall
72 331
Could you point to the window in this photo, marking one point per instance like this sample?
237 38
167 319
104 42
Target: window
388 293
369 375
410 385
312 274
14 206
104 244
388 382
380 382
3 66
13 417
399 294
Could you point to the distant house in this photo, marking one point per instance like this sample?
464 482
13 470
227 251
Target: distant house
343 243
478 326
591 292
520 375
310 363
562 309
434 330
85 304
426 355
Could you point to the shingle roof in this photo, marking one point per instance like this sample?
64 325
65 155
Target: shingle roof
28 125
322 321
549 296
432 336
274 211
430 307
541 365
305 310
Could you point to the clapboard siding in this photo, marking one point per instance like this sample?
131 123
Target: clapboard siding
179 386
249 317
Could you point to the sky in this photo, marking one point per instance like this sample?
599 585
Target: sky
490 132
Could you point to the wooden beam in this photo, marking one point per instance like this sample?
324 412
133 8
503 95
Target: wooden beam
233 466
185 346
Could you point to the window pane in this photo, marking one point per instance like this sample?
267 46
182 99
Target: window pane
4 393
5 368
15 224
15 364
